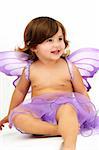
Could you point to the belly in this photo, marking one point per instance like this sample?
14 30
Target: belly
62 88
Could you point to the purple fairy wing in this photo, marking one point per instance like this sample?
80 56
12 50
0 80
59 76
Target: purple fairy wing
87 61
12 63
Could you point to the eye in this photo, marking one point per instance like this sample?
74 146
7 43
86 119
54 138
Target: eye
49 40
60 39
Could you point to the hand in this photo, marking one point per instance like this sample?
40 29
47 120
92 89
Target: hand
3 121
1 125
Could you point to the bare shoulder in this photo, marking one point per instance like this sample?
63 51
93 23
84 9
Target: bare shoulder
63 62
65 69
33 65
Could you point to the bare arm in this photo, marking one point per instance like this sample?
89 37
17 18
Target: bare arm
18 95
78 82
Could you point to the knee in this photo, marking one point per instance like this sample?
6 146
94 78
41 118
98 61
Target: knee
18 119
66 109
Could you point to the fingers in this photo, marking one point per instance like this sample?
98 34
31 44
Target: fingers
1 126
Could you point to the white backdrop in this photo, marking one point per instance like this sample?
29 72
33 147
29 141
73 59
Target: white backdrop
80 18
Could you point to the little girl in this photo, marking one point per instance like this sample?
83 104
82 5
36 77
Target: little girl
59 103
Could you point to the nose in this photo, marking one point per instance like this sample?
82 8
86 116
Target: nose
56 44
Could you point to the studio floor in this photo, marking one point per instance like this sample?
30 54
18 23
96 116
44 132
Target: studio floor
11 139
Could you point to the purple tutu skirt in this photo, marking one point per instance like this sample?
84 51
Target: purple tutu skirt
45 107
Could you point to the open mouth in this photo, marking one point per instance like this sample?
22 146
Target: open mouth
55 52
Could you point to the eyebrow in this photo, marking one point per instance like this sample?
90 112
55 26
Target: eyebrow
60 36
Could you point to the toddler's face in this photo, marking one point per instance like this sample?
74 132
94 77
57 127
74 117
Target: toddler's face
52 48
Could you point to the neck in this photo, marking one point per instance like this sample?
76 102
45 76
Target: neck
49 63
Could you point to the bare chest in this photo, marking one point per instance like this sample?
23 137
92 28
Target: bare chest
50 78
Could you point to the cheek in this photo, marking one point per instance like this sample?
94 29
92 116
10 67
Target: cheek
63 45
43 50
44 47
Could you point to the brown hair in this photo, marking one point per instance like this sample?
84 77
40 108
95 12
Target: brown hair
37 31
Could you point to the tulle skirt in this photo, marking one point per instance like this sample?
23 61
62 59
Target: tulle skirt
45 107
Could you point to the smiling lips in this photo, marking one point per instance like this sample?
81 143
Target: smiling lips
55 52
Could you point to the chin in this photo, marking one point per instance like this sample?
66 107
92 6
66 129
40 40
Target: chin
56 58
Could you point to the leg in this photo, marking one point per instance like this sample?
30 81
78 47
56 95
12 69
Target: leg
28 124
68 125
